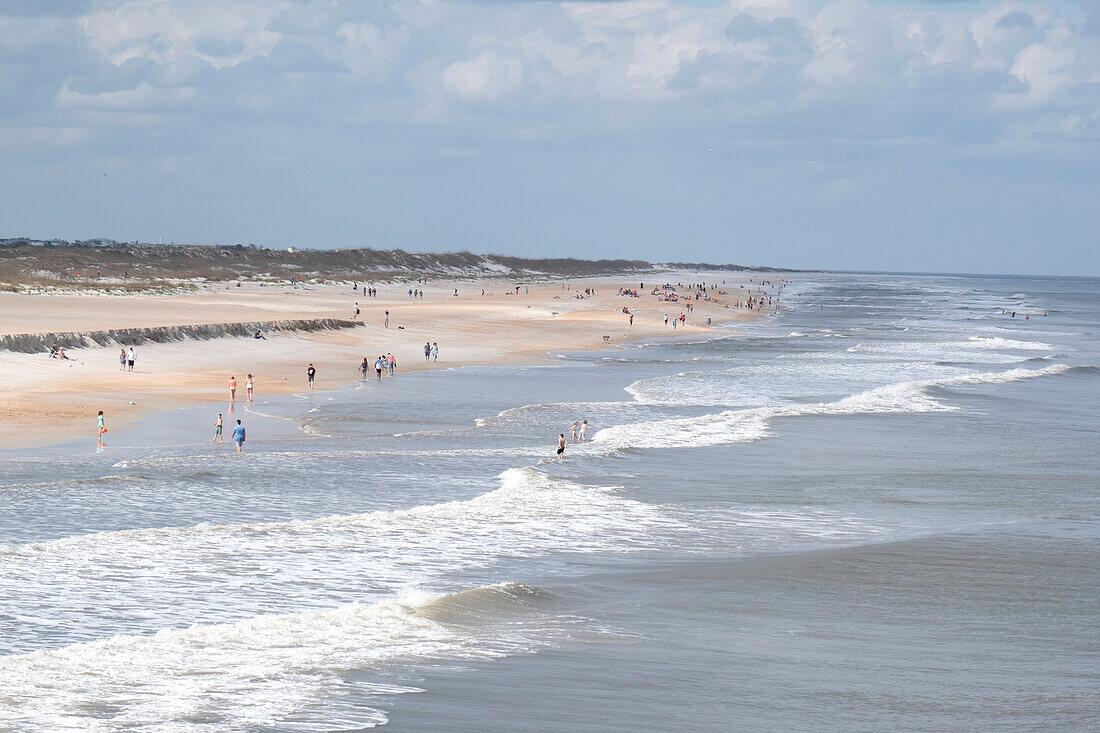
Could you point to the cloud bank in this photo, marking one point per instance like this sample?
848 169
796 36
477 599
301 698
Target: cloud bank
952 111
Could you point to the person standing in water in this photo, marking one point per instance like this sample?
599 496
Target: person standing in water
584 430
100 430
378 365
218 430
561 446
232 389
573 430
249 388
311 373
238 435
364 367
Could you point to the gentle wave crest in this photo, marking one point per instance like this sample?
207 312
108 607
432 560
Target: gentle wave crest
740 426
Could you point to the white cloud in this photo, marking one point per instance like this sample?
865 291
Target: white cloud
488 77
833 67
167 31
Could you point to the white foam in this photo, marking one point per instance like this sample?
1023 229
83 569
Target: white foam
739 426
516 412
255 672
775 382
144 579
999 344
976 349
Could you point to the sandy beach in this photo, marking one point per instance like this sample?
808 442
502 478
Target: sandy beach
49 401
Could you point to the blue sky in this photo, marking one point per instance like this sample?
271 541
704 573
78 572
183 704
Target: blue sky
845 134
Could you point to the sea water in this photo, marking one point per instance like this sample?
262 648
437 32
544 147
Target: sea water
873 510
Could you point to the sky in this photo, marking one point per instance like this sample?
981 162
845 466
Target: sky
913 135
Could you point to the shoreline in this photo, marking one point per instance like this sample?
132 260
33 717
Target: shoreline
54 402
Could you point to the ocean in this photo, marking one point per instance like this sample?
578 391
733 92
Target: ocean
876 509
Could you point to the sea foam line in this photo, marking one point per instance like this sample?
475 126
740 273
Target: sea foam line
739 426
253 672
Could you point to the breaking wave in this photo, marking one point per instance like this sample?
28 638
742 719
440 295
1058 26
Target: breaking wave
265 670
739 426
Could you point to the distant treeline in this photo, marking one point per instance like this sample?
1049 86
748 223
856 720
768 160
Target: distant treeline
104 262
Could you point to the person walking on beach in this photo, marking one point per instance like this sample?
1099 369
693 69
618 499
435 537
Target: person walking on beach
584 430
427 351
561 446
387 321
666 319
232 389
100 430
379 363
391 363
435 351
122 360
355 316
131 357
311 373
364 367
218 430
631 319
238 435
249 387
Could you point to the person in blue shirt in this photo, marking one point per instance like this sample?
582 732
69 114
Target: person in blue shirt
238 435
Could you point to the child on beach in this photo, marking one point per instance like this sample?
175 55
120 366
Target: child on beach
584 430
238 435
218 430
311 373
573 432
100 430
